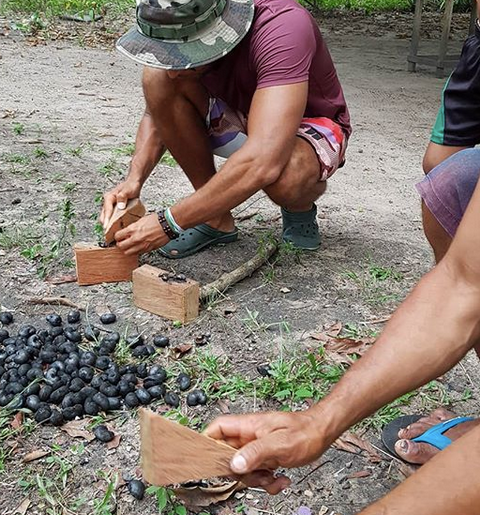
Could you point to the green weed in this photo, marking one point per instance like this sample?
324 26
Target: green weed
126 150
18 128
40 152
110 168
19 236
168 159
13 157
165 501
51 8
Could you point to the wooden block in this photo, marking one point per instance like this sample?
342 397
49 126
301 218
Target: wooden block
172 453
172 300
122 218
102 265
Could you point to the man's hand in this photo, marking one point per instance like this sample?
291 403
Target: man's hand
142 236
268 441
119 197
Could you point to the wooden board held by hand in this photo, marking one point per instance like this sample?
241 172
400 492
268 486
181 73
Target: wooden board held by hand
172 453
122 218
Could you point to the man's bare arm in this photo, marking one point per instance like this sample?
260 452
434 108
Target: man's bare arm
429 333
274 118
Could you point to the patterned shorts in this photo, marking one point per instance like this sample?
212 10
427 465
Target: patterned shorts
227 130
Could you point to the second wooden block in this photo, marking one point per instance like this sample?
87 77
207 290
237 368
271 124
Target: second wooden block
170 299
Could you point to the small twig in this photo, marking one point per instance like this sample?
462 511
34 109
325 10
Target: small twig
378 320
246 217
312 471
244 270
54 300
466 373
250 204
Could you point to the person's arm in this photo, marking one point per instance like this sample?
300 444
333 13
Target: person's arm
446 485
148 151
428 334
274 118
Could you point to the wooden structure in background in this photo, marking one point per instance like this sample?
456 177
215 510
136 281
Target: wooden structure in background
97 265
122 218
442 61
172 453
169 299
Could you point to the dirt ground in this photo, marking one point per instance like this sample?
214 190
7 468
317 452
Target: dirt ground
68 115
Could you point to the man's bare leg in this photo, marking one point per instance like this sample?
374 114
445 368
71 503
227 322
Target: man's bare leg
299 185
178 106
447 485
435 154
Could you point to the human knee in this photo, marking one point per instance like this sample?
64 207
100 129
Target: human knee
158 88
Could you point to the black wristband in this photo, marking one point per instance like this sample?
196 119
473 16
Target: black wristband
167 229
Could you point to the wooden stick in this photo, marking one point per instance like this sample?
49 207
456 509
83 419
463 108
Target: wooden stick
54 300
244 270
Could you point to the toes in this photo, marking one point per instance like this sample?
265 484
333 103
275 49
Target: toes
416 453
416 429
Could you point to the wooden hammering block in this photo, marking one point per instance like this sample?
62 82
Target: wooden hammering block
172 453
169 299
122 218
102 264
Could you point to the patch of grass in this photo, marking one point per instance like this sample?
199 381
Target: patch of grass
168 159
51 8
377 284
18 128
107 504
13 157
69 187
254 323
165 501
110 168
19 236
357 333
125 150
56 252
40 152
75 151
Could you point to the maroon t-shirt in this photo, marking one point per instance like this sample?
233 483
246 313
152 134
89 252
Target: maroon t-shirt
284 46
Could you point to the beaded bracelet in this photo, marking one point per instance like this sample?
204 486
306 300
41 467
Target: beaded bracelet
167 229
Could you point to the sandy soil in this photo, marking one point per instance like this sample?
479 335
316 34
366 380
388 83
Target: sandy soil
80 105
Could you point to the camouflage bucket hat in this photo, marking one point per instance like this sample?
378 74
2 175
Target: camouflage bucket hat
181 34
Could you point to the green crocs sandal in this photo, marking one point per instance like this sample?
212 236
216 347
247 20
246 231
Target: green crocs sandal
196 239
301 229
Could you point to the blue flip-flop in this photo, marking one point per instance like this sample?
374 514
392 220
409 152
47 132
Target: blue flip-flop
195 239
434 436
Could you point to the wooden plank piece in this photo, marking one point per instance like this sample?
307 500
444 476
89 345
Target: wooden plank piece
172 453
169 299
97 265
122 218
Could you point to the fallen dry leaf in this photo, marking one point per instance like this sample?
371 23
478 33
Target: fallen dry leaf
22 508
201 496
181 350
35 455
351 442
62 279
223 406
77 429
113 444
334 329
359 474
17 421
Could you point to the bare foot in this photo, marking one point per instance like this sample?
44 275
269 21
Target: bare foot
223 223
420 453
